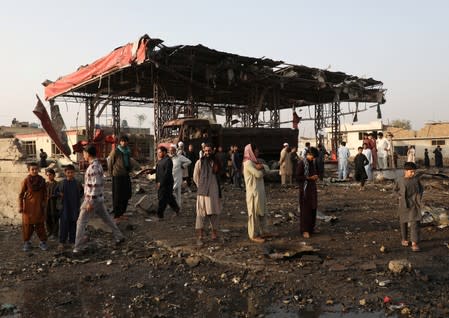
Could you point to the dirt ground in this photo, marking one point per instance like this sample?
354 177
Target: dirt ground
160 272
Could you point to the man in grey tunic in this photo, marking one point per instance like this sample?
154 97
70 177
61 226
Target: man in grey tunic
410 192
208 202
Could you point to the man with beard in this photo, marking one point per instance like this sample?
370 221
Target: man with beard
208 200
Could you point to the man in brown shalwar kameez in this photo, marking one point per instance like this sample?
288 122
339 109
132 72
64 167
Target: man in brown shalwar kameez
32 203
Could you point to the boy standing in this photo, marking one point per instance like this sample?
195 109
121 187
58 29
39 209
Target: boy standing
410 193
360 161
93 200
70 192
32 200
51 209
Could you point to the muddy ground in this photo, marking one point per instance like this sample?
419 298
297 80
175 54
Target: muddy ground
160 272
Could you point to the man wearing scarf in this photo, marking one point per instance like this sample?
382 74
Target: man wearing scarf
307 174
255 193
32 204
119 167
208 200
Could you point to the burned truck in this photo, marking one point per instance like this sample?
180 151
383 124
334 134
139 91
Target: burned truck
196 131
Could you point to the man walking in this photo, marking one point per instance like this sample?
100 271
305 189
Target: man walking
164 183
93 200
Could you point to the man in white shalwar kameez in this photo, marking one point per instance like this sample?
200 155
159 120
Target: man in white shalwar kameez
208 199
382 146
180 164
255 193
343 156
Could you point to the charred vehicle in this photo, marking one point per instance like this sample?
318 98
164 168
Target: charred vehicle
196 131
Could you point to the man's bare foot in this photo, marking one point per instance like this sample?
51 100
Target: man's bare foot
306 235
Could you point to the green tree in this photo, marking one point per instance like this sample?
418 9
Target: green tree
401 123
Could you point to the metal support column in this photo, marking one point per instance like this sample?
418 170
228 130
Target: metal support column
228 116
335 124
116 116
319 124
90 119
157 118
275 121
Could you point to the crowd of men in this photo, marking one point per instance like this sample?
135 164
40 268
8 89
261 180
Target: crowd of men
206 169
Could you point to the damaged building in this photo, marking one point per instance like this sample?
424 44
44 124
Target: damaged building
184 81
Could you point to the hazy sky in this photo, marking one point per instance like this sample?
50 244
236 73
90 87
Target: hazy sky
404 44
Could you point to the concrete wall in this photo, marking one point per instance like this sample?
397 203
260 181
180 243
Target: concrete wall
11 175
12 171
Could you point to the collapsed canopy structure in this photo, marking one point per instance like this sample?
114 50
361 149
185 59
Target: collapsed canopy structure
180 79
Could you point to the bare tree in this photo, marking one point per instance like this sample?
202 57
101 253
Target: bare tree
140 119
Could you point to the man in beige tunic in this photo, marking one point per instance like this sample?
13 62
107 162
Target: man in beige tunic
255 193
208 202
285 166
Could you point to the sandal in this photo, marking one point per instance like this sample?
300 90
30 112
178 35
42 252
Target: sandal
415 248
306 235
257 240
404 243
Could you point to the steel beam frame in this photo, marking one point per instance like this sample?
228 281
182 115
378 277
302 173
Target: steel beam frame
90 118
116 116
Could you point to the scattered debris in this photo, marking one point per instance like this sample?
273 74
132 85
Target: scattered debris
399 266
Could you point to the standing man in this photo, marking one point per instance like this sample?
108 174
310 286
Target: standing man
190 154
343 156
237 162
410 191
208 200
164 183
411 154
285 166
93 200
307 175
438 157
382 151
119 167
320 160
372 145
222 158
43 158
304 151
253 172
180 164
426 158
